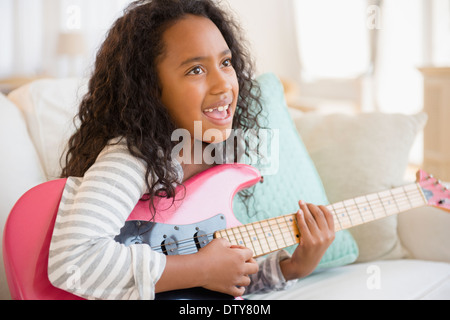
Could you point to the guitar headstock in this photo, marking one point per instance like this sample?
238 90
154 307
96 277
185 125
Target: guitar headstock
437 195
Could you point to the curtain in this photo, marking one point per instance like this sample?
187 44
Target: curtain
384 41
333 38
31 29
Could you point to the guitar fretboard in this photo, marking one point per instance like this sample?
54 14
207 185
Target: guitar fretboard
273 234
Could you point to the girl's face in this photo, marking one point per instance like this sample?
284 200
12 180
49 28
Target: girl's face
197 78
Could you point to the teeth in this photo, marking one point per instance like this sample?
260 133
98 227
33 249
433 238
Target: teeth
221 108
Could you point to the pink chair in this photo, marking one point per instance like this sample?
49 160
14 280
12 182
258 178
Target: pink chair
26 242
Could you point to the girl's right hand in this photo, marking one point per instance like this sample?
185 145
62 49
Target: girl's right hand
226 267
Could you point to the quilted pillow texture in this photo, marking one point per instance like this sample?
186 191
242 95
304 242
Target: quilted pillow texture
360 154
292 176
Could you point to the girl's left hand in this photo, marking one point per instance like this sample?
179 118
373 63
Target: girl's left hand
316 226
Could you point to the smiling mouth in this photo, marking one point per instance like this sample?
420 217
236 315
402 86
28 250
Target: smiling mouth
218 113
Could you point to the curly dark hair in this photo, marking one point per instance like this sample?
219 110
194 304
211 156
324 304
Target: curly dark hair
123 98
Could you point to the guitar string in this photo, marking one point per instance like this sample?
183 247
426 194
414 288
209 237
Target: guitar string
353 210
375 205
268 245
260 228
381 200
194 246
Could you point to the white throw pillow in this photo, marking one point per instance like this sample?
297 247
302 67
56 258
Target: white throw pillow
20 169
361 154
49 107
425 233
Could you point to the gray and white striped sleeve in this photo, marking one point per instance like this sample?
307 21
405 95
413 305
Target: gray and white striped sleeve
84 258
269 276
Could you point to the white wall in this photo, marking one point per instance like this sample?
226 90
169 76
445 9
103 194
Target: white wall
270 29
30 37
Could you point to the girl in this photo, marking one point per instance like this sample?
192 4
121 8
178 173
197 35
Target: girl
164 65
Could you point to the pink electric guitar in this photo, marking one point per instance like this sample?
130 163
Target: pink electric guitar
201 211
204 211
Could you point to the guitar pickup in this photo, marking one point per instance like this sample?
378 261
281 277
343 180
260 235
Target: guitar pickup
169 246
201 239
172 239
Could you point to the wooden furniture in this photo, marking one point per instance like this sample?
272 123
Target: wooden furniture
437 130
9 84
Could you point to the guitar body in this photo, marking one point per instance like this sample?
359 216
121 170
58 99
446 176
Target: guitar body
183 226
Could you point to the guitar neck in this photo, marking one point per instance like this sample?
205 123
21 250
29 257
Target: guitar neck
273 234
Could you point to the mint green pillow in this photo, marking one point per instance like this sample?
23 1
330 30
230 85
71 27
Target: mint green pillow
289 177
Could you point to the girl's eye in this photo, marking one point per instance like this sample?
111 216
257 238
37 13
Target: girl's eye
196 70
227 63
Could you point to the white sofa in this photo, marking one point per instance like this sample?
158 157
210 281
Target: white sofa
404 257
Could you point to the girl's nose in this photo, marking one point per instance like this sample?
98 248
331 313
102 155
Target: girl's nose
220 82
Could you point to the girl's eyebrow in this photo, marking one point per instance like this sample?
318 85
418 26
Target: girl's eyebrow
200 58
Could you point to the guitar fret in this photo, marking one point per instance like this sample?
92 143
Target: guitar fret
257 235
274 233
354 217
342 214
402 200
382 204
255 240
268 235
280 232
395 201
230 236
293 229
346 212
407 197
420 200
284 230
337 222
388 202
265 234
258 230
363 208
371 207
374 206
247 238
238 236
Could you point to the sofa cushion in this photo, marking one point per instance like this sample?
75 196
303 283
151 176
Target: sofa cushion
360 154
384 280
425 233
49 106
19 167
289 175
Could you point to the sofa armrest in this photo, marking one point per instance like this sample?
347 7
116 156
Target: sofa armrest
425 233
